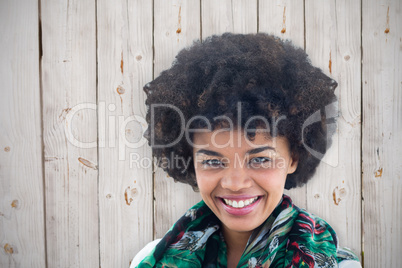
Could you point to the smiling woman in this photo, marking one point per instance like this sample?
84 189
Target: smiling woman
239 109
241 184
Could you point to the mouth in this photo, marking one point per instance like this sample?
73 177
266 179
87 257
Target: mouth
240 203
240 206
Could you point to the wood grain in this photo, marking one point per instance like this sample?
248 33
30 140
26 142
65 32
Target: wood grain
218 17
69 104
285 19
22 230
333 44
382 132
125 160
177 25
73 209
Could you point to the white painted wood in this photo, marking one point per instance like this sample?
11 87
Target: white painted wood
125 193
69 101
238 16
285 19
125 162
333 44
22 230
382 132
177 25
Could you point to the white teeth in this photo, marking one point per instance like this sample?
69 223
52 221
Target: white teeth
228 202
241 203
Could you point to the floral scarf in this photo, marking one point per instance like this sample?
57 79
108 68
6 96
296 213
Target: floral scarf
290 237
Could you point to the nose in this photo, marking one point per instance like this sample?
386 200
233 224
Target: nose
236 179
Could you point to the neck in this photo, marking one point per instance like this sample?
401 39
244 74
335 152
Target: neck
235 241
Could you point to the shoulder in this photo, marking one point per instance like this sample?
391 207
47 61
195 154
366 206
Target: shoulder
144 252
349 264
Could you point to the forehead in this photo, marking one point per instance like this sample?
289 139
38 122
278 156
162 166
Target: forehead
237 138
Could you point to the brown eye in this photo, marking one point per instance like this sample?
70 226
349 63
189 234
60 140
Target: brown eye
258 162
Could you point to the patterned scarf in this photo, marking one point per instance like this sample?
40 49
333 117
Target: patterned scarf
290 237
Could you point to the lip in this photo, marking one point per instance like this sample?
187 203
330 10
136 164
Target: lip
239 211
237 197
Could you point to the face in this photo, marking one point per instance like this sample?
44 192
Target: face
241 180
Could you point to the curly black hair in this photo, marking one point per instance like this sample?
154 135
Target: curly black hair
267 76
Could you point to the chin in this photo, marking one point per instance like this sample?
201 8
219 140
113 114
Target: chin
244 228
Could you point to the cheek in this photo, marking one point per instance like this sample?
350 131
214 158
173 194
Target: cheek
281 163
206 191
205 183
271 179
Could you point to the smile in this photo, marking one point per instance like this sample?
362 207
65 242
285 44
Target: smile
240 203
240 206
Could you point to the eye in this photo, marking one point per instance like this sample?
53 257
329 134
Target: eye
258 162
212 163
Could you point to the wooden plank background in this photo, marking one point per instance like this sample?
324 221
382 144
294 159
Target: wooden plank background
22 221
382 125
68 80
176 25
77 184
333 44
125 187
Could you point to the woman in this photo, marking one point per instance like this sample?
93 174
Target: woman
238 107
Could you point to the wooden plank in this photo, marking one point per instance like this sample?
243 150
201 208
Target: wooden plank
382 132
238 16
70 132
22 231
125 161
285 19
177 25
333 44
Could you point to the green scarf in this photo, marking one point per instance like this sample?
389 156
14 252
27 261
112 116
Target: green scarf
290 237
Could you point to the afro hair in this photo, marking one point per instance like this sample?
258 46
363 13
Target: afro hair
269 77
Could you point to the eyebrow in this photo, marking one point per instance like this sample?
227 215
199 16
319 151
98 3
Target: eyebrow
252 151
261 149
208 152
